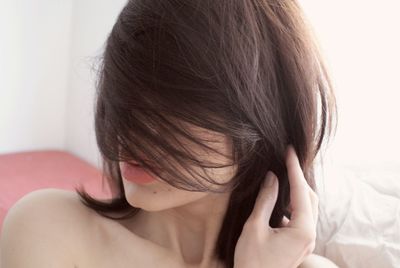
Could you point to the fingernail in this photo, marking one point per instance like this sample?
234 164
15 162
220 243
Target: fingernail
270 179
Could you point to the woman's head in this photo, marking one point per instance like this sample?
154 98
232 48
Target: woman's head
159 195
248 72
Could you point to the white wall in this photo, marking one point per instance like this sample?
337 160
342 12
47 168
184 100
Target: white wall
361 41
91 23
47 48
34 61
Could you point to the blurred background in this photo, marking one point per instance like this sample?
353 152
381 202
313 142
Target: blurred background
48 49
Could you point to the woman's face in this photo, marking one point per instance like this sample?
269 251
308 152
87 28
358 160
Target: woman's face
159 195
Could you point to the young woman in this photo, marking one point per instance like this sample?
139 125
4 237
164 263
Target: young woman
207 120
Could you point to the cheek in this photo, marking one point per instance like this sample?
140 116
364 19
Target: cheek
220 175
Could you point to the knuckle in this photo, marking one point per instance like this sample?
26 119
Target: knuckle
313 236
271 198
310 248
250 224
308 237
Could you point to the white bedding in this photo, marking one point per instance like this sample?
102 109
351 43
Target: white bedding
359 216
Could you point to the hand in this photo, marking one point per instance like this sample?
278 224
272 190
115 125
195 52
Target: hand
259 245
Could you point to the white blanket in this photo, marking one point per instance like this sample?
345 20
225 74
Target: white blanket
359 216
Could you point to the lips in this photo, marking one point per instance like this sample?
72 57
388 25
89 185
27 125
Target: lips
133 172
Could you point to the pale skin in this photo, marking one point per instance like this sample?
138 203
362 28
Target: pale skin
260 245
175 228
187 223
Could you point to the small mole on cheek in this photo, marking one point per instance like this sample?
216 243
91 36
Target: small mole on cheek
154 192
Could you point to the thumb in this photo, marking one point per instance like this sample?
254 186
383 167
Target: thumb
266 198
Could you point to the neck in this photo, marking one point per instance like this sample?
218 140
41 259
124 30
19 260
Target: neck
189 232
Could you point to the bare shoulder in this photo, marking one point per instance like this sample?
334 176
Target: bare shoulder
39 230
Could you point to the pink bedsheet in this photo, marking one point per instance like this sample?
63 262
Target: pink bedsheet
23 172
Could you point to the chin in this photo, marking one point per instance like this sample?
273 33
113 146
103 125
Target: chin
158 198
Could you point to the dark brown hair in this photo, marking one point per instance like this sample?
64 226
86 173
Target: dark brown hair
248 69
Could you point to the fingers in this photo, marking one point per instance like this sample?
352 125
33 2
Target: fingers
266 199
302 211
314 204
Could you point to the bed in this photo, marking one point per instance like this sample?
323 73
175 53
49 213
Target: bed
23 172
359 218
